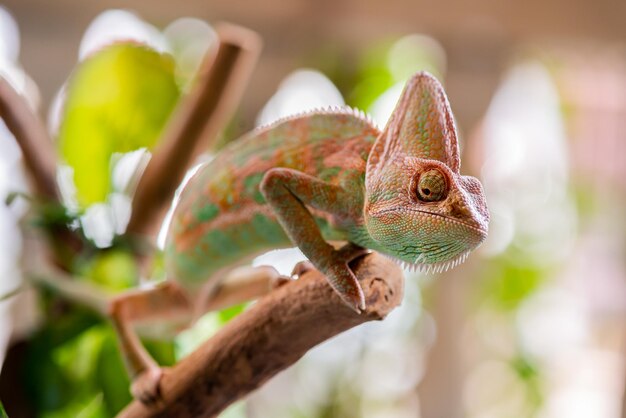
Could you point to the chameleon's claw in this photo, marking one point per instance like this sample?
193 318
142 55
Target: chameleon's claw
345 283
352 293
145 387
355 302
341 278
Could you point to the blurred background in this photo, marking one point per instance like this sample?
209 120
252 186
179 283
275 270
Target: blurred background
532 325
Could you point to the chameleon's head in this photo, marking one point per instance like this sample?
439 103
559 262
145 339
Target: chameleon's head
419 208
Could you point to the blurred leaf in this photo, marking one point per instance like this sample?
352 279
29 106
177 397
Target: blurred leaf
78 356
507 283
81 407
65 321
114 270
524 368
93 409
118 100
49 215
46 383
530 373
3 414
374 77
162 351
227 314
61 380
112 376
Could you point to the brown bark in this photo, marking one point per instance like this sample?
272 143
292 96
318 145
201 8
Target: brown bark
269 337
31 136
196 124
41 163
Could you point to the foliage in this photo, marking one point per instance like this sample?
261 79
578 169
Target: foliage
118 100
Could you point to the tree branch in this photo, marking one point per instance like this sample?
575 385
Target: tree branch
197 122
41 164
269 337
30 134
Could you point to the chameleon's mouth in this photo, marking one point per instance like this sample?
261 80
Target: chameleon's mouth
420 264
471 225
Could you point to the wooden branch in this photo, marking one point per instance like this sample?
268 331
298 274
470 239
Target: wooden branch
196 124
30 134
41 164
269 337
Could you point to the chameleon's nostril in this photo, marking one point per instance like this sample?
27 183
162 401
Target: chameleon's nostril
460 211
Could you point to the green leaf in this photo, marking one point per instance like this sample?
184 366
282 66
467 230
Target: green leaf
118 100
3 413
112 376
374 77
46 384
507 284
114 270
227 314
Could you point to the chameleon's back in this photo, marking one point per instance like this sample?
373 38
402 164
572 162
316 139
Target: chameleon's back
222 217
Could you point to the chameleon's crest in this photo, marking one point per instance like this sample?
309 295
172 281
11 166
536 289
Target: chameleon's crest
421 126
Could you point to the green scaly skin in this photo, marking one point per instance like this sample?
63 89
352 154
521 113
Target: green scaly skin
333 176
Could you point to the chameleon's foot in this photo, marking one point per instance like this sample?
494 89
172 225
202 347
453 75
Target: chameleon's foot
345 283
343 280
145 386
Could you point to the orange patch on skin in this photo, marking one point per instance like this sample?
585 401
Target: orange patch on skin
348 156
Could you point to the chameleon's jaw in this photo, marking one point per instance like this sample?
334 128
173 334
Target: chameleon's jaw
419 265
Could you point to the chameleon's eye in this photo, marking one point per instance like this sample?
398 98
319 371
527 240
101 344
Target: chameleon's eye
432 186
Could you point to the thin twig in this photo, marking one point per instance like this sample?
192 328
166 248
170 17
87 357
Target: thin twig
72 289
269 337
197 122
30 134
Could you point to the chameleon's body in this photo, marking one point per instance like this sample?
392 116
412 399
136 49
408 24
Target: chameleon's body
306 180
222 216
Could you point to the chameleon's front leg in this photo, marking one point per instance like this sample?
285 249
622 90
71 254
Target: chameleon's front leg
287 191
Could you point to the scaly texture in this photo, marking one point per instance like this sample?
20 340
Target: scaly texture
223 216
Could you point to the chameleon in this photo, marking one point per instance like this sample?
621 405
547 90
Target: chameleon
310 180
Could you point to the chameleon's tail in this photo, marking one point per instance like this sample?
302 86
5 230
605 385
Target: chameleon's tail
72 289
